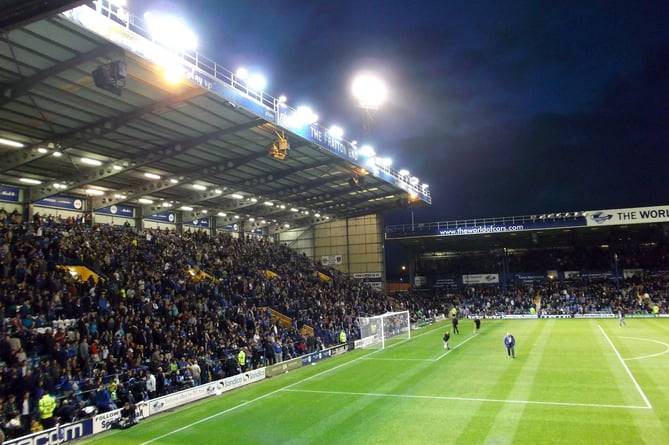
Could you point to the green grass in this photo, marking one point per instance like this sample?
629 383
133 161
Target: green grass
572 382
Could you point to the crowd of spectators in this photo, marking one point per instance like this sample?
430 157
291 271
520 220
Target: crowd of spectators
627 255
173 310
177 310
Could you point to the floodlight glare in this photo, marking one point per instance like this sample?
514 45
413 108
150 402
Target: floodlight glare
30 181
243 73
257 82
173 71
170 32
90 161
11 143
336 132
367 150
384 162
369 90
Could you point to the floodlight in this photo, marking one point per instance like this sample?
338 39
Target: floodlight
10 143
90 161
384 162
170 32
30 181
242 73
336 132
257 82
367 150
369 90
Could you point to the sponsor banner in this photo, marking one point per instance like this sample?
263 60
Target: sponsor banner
571 274
446 281
596 275
229 228
61 202
594 315
103 422
367 275
170 401
635 215
123 211
331 260
163 217
283 367
630 273
8 193
243 379
480 278
518 316
556 316
315 357
477 230
200 222
339 349
54 436
367 341
529 278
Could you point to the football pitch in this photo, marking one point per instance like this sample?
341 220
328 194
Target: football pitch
573 381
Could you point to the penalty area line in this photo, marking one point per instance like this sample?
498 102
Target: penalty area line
248 402
469 399
629 373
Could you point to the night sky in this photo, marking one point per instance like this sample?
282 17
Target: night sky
503 107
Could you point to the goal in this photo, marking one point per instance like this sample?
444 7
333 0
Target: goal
376 331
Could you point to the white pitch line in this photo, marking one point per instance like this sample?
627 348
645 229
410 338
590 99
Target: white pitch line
622 361
248 402
455 347
643 357
470 399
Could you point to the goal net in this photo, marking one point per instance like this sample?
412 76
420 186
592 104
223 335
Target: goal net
376 331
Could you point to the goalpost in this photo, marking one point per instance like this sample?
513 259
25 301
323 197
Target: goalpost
377 330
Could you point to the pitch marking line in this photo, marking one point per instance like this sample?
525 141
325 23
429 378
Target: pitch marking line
471 399
622 361
472 336
264 396
641 357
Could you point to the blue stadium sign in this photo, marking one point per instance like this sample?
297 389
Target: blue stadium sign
163 217
200 222
61 202
8 193
120 210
